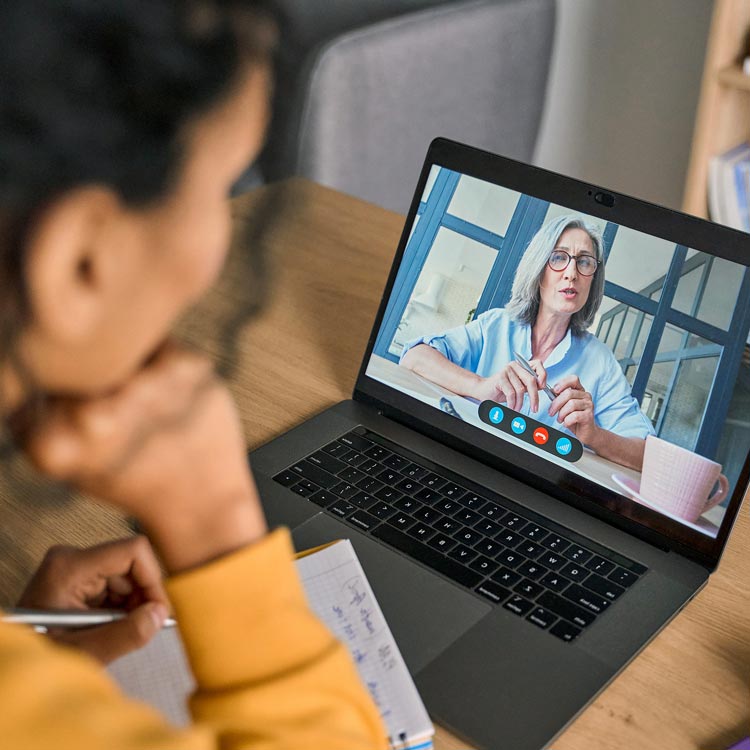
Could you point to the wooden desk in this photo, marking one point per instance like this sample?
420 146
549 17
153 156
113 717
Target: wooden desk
330 255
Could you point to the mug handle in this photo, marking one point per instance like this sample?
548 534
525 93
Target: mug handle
719 495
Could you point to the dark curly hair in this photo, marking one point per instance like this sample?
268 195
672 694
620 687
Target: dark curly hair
100 92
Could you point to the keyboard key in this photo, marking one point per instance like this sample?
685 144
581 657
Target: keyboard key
383 510
530 549
462 553
532 570
345 490
518 605
377 453
467 516
475 502
371 467
335 448
512 521
287 478
314 473
565 631
447 506
442 542
564 608
401 521
528 588
541 617
447 525
506 577
556 543
363 500
342 508
428 515
488 528
493 592
422 531
388 494
452 491
395 462
483 565
352 475
305 488
622 577
414 471
578 554
389 477
575 572
433 481
510 558
363 520
586 599
509 538
424 554
488 547
426 495
408 486
467 536
555 582
326 461
357 442
492 511
537 533
599 565
552 560
607 589
323 498
407 504
353 458
368 484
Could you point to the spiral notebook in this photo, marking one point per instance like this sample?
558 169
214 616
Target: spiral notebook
340 595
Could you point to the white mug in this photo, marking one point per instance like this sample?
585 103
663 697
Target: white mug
679 481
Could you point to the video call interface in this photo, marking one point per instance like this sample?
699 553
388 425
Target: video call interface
615 354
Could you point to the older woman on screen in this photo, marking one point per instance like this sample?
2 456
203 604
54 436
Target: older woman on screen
557 290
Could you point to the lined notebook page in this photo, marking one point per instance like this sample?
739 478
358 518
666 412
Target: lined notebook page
340 595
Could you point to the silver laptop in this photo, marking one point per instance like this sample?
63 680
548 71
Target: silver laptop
547 443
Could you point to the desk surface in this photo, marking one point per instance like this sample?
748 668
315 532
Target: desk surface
329 256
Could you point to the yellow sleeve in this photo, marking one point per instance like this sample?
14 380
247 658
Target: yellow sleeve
269 674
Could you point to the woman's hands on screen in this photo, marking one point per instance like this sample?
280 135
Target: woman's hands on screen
574 408
510 384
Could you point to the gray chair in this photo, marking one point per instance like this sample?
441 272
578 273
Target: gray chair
362 99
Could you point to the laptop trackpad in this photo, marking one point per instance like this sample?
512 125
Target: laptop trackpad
425 613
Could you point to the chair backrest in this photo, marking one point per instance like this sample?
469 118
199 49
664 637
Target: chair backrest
369 101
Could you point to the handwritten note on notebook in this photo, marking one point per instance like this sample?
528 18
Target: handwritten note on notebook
339 593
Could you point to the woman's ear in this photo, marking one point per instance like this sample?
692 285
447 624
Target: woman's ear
67 262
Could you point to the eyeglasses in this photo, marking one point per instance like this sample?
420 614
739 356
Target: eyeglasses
559 260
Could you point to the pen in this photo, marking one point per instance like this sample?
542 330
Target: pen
526 366
43 619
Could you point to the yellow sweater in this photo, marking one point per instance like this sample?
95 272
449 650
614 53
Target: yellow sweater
269 674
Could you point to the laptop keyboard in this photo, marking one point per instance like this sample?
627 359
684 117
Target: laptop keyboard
551 576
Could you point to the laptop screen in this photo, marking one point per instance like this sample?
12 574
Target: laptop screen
599 349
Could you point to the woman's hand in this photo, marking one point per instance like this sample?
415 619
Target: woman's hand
511 383
167 447
118 575
574 408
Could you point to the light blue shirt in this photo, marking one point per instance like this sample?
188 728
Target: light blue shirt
486 345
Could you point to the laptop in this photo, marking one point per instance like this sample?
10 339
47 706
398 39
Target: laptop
523 556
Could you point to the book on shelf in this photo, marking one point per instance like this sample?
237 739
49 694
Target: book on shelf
729 188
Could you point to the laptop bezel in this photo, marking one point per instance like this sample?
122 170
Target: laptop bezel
564 485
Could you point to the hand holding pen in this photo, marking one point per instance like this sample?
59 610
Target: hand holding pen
513 382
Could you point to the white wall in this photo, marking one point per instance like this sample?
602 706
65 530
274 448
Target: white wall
623 91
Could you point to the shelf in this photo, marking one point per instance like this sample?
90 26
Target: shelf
733 77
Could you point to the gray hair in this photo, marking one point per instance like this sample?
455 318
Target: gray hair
524 300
